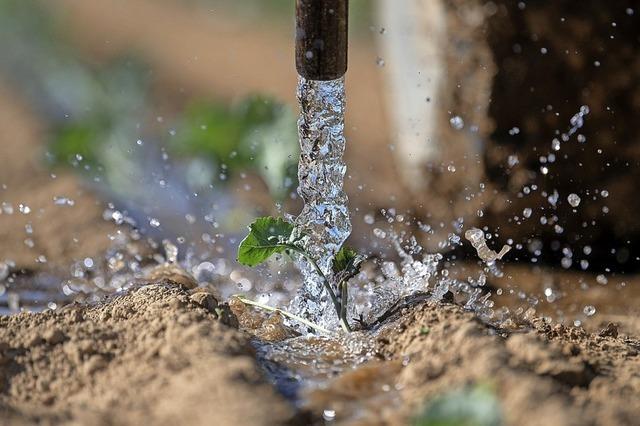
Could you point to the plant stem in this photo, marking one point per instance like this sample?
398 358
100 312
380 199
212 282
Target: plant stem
344 296
285 313
336 303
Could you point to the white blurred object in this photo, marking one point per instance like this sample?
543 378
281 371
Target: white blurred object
414 65
439 71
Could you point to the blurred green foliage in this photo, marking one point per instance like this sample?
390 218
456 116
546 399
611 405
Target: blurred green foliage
221 132
95 115
257 134
470 406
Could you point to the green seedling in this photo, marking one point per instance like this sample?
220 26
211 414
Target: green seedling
268 236
476 405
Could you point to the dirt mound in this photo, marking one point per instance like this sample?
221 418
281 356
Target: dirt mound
159 354
552 375
155 355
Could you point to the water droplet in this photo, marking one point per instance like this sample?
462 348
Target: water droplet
456 122
380 62
527 212
13 301
244 284
170 250
589 310
154 222
7 208
329 415
4 271
63 201
369 219
379 233
204 272
117 217
574 200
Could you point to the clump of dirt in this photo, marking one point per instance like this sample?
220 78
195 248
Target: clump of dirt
158 354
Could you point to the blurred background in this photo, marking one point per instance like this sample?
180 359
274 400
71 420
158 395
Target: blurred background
177 118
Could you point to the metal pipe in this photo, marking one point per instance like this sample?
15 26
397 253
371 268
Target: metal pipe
321 38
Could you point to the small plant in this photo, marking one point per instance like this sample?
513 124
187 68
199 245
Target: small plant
268 236
476 405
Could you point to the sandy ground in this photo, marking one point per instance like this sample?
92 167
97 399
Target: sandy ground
550 375
160 354
157 355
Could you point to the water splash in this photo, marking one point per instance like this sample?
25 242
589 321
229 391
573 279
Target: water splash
325 216
476 237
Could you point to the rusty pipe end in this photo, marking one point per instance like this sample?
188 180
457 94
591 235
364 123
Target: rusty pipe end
321 38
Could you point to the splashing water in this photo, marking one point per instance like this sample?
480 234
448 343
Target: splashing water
325 216
476 237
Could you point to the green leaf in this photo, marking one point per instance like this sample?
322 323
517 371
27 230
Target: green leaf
267 236
470 406
346 263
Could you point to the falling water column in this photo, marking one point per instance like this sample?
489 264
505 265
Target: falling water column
321 61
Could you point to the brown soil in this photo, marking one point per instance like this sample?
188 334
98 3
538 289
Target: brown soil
156 355
552 375
161 354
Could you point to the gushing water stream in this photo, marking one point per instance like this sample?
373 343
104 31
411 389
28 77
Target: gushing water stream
325 216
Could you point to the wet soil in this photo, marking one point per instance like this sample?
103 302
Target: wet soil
162 354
